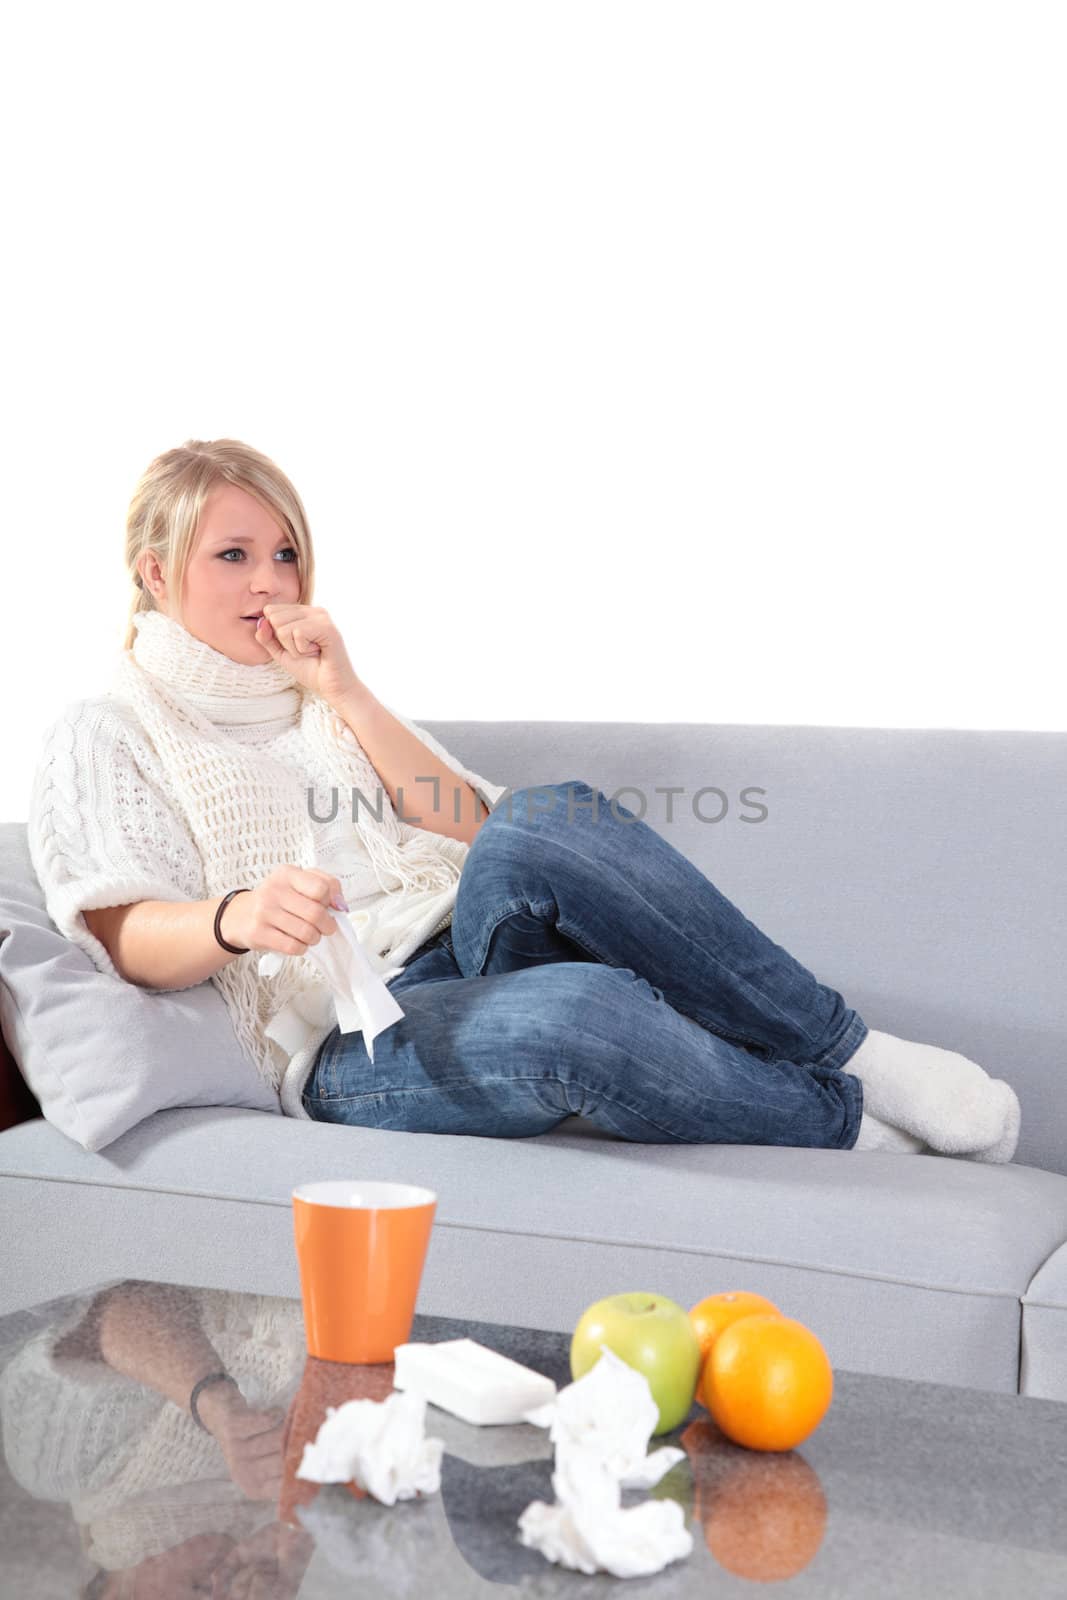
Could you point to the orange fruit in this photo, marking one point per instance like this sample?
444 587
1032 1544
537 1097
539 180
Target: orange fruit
716 1312
768 1381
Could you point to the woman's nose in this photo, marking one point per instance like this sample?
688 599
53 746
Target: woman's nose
263 579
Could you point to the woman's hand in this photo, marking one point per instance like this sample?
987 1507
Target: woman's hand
286 912
250 1439
308 644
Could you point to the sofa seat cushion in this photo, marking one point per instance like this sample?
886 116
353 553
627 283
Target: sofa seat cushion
908 1265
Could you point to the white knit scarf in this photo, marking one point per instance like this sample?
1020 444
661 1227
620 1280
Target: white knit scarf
246 812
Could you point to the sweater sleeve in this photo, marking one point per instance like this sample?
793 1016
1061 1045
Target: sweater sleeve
488 793
101 831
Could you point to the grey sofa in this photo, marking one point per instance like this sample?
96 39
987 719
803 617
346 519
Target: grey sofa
921 873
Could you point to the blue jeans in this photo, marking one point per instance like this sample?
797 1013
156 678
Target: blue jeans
591 969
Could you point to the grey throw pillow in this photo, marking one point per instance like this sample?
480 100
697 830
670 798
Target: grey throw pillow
101 1054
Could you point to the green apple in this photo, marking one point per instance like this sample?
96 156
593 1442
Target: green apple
651 1334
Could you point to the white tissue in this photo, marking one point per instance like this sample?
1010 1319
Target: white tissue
589 1532
471 1381
380 1445
601 1425
610 1412
357 978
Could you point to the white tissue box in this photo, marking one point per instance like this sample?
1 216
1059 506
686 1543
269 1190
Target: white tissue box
472 1382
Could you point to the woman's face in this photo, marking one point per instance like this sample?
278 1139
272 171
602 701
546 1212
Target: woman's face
242 560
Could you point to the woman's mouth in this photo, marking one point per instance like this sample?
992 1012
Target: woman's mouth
254 618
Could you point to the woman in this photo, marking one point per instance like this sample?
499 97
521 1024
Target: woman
554 957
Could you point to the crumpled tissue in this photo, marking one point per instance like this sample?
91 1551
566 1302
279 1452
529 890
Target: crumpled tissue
380 1445
357 977
601 1425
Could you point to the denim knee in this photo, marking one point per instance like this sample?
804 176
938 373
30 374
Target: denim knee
564 802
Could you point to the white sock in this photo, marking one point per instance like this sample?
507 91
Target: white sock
1005 1147
875 1134
938 1095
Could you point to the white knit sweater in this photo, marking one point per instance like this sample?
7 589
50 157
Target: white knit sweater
108 825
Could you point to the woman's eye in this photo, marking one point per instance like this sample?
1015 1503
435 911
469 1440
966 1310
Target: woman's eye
236 551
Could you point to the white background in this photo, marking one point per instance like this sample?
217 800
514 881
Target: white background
660 362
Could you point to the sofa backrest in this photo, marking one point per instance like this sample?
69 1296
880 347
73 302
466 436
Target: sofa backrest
918 872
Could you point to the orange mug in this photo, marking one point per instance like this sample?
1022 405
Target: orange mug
360 1248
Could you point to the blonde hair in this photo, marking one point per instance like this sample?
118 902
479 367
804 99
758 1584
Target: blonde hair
168 502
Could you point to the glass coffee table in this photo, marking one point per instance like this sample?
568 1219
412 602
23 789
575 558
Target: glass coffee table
108 1487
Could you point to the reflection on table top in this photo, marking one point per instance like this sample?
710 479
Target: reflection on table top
112 1489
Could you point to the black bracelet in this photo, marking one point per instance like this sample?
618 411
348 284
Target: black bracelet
212 1377
234 949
